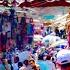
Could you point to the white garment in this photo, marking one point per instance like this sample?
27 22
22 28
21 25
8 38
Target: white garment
36 57
22 68
51 65
63 56
6 28
15 66
23 55
25 68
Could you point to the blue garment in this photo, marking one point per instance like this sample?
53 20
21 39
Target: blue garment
0 27
30 40
12 13
2 67
9 56
30 29
14 23
0 23
43 65
62 46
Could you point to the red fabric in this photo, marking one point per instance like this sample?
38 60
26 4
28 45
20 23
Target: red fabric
68 38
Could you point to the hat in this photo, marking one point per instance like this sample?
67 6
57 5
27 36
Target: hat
63 56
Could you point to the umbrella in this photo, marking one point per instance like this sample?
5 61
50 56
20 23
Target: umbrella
37 38
49 39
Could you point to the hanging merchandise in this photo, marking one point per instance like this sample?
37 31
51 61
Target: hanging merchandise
5 16
30 29
30 33
23 25
12 13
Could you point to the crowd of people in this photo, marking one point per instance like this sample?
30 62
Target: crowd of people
36 59
17 51
14 30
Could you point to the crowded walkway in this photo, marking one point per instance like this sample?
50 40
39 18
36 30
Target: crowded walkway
21 50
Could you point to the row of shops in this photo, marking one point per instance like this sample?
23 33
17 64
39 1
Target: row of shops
36 25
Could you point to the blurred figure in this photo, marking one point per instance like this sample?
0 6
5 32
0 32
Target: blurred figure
15 64
23 55
57 31
45 63
68 37
34 65
5 65
25 66
10 62
30 30
0 22
20 66
63 60
50 64
3 41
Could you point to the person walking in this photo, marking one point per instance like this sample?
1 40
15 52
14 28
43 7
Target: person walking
63 60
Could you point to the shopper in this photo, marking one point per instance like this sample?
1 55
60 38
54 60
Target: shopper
3 41
5 65
20 66
10 63
57 31
34 65
15 64
63 60
50 64
25 66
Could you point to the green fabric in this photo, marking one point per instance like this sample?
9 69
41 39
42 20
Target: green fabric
2 67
